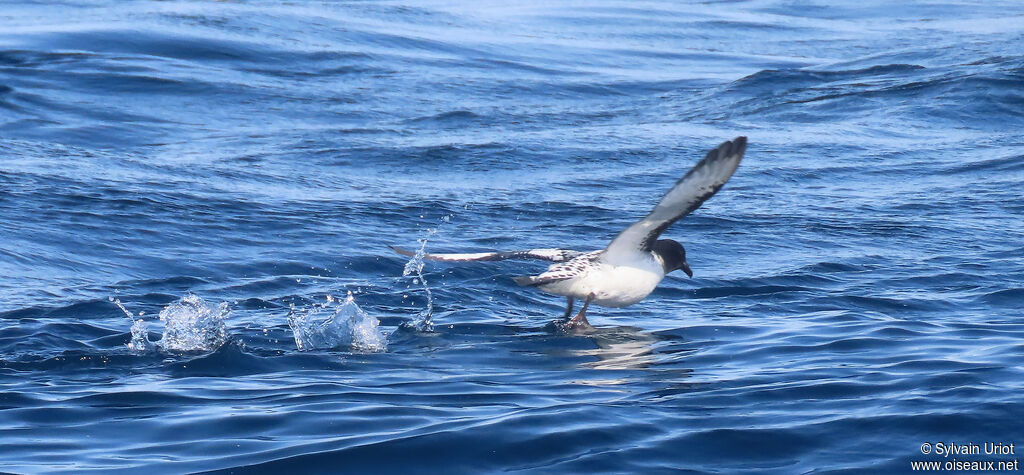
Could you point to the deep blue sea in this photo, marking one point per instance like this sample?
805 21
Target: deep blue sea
197 199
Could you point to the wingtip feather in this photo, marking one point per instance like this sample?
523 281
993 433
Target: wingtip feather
740 143
736 146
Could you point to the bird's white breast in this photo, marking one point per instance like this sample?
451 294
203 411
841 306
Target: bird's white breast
613 285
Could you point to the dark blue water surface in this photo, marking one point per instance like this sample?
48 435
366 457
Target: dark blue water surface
858 285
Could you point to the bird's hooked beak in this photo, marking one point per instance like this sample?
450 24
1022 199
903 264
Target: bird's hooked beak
685 266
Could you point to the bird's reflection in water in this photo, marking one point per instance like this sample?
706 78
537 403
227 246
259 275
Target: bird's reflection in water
619 348
629 348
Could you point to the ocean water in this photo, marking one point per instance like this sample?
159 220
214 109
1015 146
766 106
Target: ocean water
197 199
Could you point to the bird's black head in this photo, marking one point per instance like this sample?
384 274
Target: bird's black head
673 256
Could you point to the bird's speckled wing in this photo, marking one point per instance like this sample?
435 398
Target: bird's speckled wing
699 184
562 271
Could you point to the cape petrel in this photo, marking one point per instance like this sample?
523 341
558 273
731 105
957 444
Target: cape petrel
629 269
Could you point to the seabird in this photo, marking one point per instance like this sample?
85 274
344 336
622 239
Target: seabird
629 269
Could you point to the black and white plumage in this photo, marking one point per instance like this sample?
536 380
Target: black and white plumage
635 261
554 255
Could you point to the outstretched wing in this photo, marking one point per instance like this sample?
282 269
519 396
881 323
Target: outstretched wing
553 255
699 184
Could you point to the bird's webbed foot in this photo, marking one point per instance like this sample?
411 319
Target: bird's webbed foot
577 323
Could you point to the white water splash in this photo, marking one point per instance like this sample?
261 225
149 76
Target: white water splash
140 331
140 337
190 324
329 326
415 266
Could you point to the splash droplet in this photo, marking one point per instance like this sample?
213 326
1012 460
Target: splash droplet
140 337
415 266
